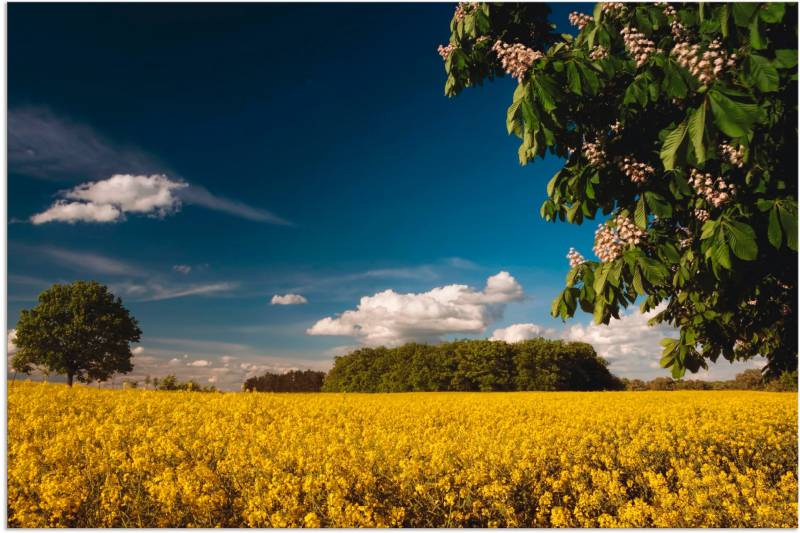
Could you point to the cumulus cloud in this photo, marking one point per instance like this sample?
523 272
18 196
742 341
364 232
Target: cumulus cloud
629 344
391 318
288 299
108 200
138 350
200 362
520 332
44 145
72 212
182 269
11 336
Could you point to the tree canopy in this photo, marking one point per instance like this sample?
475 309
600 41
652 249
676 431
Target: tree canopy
472 365
80 330
291 381
678 127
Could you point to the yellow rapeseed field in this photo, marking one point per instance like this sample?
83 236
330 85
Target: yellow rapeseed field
87 457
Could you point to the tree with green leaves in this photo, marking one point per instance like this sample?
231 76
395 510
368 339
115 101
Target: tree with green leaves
678 127
80 330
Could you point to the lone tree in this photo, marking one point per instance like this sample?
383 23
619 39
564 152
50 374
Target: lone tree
80 329
678 127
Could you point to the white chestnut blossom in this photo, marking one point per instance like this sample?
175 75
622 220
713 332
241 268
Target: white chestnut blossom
575 258
636 171
516 58
714 189
598 53
734 156
610 242
701 215
639 47
445 51
463 9
580 19
614 10
706 65
595 154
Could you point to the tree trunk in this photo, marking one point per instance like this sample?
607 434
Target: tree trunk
69 379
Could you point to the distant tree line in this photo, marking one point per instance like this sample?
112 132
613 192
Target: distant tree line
169 383
473 365
751 379
292 381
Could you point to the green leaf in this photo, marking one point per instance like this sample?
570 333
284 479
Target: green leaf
743 12
724 19
762 74
554 307
742 240
756 41
672 143
786 58
788 218
637 281
640 215
598 12
546 90
735 119
697 124
658 205
590 78
654 272
720 255
601 275
771 11
774 230
573 78
670 252
674 85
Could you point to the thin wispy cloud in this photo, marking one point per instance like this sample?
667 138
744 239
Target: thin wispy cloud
197 195
45 146
86 261
125 278
159 292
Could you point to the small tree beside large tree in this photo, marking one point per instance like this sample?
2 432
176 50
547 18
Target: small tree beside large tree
678 127
80 330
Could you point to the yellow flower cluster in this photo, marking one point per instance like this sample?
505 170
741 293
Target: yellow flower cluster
94 458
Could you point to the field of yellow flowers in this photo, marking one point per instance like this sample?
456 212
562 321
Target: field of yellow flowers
94 458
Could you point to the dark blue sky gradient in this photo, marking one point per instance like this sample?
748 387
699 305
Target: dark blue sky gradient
331 116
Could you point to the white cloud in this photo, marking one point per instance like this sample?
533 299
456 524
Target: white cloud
200 362
391 318
72 212
11 347
182 269
138 350
629 344
519 332
226 359
44 145
288 299
108 200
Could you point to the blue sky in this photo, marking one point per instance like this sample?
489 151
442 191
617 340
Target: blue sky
316 155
